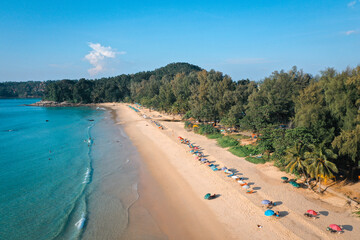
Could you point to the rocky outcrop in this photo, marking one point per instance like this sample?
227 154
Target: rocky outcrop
56 104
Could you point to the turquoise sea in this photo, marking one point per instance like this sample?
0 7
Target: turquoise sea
66 173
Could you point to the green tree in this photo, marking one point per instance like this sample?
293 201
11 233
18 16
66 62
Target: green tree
295 160
319 165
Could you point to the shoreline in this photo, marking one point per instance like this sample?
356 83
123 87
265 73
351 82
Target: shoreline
164 194
234 214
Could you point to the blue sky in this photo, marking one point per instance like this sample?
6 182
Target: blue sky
42 40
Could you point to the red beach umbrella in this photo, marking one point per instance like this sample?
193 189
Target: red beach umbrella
335 227
312 212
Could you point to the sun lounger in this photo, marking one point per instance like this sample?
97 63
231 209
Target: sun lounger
250 191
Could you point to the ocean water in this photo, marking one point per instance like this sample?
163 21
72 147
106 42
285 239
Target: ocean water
63 176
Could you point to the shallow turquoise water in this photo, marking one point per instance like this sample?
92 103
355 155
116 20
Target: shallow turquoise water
46 168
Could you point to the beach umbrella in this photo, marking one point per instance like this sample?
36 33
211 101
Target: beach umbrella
203 160
207 196
235 177
265 202
246 186
312 212
241 181
223 168
296 185
269 213
285 178
335 227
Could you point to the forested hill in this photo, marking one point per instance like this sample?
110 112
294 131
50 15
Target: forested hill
28 89
118 88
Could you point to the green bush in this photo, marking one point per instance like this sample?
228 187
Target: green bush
239 151
214 135
205 129
239 136
244 151
256 160
188 124
227 142
187 115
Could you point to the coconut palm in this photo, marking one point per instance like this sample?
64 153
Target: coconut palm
295 159
319 164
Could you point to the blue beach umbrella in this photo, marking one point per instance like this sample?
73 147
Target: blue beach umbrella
284 178
269 213
207 196
265 202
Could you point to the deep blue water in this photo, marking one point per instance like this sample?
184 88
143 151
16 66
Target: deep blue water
46 168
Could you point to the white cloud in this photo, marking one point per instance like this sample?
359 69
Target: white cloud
352 4
350 32
97 57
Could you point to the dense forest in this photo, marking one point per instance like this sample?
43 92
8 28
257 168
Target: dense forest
307 124
30 89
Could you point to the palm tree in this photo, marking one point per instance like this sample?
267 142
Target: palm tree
319 164
295 159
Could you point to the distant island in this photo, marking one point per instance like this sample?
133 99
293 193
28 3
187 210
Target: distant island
297 116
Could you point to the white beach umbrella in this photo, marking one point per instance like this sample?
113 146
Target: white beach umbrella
246 186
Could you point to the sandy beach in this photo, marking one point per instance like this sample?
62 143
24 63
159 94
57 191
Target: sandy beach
173 184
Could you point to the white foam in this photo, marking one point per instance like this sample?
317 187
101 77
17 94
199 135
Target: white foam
87 175
80 224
